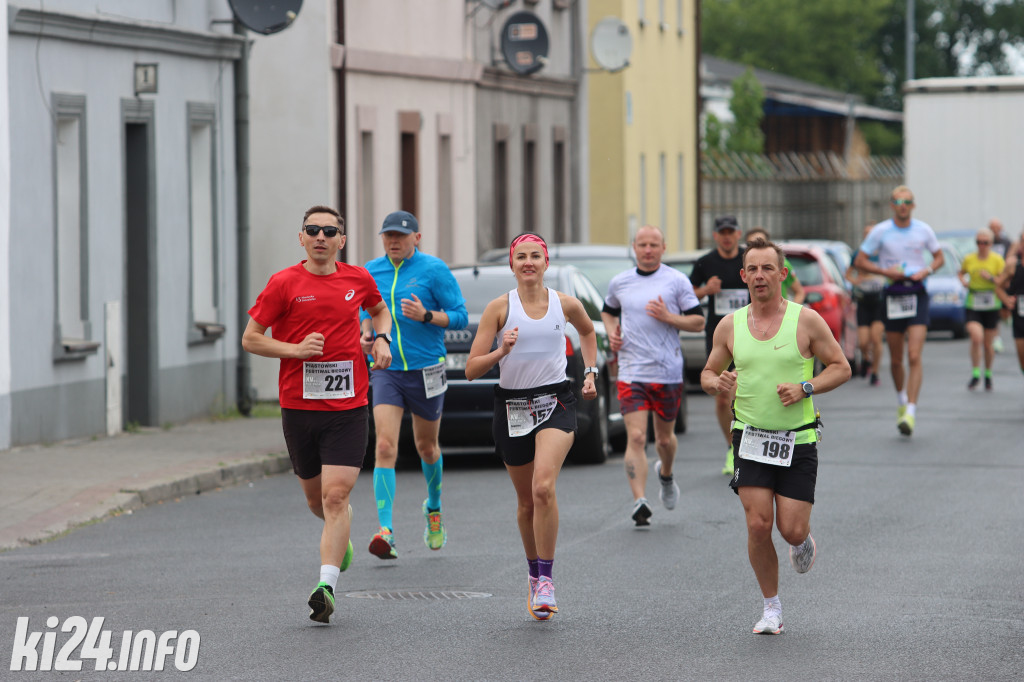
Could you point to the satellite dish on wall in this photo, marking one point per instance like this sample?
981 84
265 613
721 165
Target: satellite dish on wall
524 43
265 16
611 44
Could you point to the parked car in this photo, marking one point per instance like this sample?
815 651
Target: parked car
947 295
825 293
695 354
961 241
469 405
839 251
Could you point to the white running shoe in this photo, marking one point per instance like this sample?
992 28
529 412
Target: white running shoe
802 556
770 624
669 492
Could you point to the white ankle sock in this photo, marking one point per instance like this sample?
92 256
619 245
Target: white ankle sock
329 574
773 604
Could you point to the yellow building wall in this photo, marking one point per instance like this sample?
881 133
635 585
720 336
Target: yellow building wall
643 114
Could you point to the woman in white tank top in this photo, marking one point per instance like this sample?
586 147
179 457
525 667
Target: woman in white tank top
534 407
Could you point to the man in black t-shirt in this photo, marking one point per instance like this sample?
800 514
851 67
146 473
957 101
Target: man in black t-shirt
717 276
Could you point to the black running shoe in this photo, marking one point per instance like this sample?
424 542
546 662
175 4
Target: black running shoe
321 603
973 384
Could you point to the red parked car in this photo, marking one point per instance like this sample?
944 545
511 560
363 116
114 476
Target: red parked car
825 293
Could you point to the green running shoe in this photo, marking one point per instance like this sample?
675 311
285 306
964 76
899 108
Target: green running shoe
729 467
321 603
347 560
434 535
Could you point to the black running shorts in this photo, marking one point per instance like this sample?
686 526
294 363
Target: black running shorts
318 437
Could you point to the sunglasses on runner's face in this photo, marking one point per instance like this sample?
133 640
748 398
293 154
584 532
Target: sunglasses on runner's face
329 230
981 242
902 202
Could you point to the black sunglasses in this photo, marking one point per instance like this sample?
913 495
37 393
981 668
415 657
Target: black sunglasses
329 230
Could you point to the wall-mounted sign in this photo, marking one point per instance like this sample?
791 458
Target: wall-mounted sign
524 43
145 78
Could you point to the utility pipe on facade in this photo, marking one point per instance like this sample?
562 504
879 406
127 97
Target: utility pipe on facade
244 369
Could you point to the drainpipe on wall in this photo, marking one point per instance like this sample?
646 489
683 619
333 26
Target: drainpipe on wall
244 369
342 132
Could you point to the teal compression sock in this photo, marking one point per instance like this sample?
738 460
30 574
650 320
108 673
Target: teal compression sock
432 472
384 492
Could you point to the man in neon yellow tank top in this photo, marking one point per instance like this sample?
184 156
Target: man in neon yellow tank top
773 343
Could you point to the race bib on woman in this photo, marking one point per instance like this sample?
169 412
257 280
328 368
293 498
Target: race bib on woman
526 414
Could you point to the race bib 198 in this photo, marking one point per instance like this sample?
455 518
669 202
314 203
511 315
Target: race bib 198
328 380
767 447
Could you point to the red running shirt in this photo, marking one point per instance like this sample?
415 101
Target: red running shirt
296 303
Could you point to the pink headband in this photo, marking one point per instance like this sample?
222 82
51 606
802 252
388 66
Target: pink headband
527 238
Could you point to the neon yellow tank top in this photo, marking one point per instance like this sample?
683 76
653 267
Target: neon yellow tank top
763 365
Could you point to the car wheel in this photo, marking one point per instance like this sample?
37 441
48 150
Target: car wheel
593 447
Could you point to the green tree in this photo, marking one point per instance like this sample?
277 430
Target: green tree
747 105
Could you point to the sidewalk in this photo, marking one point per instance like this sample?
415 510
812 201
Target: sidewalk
47 489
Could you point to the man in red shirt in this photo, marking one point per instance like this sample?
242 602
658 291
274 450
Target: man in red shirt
313 308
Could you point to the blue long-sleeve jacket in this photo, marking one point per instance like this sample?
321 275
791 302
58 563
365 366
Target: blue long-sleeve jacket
416 344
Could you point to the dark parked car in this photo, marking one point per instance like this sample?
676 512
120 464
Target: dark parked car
469 405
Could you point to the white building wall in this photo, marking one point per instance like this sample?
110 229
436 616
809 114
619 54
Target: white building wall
5 238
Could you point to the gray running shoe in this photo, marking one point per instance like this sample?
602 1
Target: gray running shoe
802 556
642 512
770 624
669 492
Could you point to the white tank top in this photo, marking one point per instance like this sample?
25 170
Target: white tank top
538 358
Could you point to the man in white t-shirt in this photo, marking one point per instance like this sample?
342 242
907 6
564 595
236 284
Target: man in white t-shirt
900 244
643 312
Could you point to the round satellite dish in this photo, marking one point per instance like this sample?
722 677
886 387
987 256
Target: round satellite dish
611 44
524 43
265 16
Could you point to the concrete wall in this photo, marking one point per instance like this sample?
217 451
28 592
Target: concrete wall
5 236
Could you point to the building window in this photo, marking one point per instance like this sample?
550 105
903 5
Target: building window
73 328
367 238
643 190
662 193
561 222
641 12
680 203
530 177
409 181
500 176
445 215
679 17
206 324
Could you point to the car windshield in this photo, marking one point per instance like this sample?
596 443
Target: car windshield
599 270
684 267
484 287
950 265
806 270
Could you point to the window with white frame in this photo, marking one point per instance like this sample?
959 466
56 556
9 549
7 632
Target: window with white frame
73 329
204 248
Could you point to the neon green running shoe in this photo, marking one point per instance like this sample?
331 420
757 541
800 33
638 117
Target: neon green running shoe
321 603
729 467
434 535
906 425
901 412
347 560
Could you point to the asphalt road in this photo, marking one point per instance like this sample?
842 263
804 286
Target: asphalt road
918 575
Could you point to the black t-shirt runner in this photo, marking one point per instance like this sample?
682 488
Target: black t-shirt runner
734 294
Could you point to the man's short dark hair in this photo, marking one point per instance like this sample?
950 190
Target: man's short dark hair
324 209
759 243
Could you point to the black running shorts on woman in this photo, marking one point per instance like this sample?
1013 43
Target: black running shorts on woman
519 450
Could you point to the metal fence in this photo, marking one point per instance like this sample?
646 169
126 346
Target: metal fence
797 196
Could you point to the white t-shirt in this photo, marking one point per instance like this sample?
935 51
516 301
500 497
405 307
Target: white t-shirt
650 350
902 246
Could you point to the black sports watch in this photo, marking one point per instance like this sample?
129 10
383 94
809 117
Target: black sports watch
385 336
428 316
808 388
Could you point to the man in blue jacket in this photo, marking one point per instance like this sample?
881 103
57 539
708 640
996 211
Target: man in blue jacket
424 300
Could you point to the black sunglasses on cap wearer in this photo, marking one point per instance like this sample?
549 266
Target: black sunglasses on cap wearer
329 230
